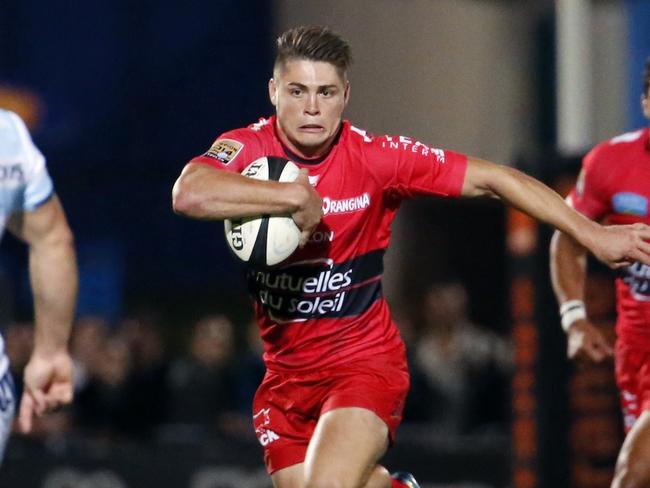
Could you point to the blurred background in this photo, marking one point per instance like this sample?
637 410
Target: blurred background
119 95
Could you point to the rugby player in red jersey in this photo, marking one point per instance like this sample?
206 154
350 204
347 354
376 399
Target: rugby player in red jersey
614 187
337 377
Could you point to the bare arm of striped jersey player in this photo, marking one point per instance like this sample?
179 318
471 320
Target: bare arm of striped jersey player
617 245
53 275
203 192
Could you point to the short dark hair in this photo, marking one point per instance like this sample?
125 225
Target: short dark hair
646 78
314 43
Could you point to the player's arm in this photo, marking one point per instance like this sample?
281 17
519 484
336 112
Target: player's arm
568 261
54 279
616 246
204 192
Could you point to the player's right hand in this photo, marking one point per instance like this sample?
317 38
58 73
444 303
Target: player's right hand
48 385
586 342
310 212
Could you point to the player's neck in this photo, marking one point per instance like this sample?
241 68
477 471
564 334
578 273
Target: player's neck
307 153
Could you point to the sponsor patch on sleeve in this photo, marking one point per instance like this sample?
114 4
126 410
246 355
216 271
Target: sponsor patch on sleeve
629 203
224 150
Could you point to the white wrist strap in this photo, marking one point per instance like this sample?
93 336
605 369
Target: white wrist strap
572 311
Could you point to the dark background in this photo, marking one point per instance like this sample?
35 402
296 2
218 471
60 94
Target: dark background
127 93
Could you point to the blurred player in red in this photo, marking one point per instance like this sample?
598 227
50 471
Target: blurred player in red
337 377
614 187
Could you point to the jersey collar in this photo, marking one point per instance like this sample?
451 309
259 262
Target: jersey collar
299 159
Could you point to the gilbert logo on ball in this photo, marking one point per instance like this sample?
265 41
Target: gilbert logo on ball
265 240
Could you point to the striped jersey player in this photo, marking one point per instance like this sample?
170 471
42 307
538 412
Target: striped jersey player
30 210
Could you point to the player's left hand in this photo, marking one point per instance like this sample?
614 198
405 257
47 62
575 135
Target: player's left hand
48 385
586 343
621 245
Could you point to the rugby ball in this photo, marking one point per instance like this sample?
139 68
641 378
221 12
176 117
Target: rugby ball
265 240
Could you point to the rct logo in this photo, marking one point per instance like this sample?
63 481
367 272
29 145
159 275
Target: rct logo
268 437
261 420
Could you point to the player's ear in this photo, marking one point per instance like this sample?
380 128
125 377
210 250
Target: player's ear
346 93
273 92
645 105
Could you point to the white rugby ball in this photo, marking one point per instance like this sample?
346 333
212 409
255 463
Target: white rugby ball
265 240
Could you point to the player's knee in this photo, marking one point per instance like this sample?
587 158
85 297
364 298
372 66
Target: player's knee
320 482
624 478
631 473
379 478
329 480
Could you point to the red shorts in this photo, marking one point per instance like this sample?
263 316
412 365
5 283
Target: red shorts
633 380
287 406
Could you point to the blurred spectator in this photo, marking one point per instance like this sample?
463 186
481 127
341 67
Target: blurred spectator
421 401
121 376
467 366
88 338
103 406
250 370
202 385
149 371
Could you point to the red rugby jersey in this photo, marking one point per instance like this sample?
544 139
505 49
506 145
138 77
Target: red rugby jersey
614 187
324 306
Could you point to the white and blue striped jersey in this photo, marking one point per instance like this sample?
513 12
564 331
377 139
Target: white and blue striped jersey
24 181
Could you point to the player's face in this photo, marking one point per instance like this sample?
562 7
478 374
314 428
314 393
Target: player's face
645 104
309 99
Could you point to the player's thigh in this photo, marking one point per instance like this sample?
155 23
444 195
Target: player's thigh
629 362
345 447
635 453
291 477
294 477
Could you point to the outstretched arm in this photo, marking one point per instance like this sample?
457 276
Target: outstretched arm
53 274
568 271
203 192
616 246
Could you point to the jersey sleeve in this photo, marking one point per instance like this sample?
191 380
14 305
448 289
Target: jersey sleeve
418 169
589 195
38 187
233 150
